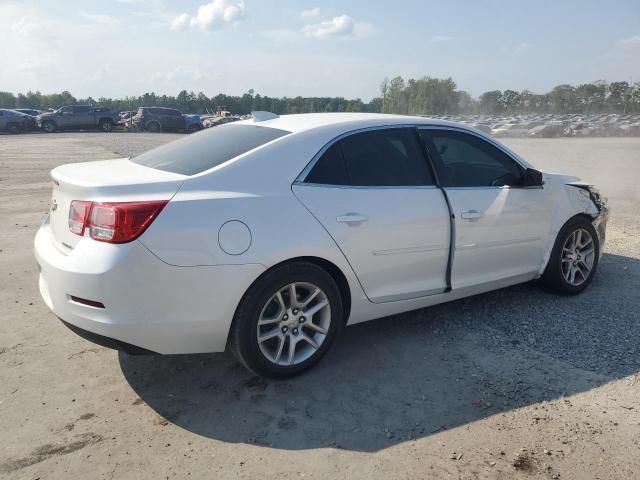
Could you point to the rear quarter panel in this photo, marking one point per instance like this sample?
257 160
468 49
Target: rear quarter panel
254 189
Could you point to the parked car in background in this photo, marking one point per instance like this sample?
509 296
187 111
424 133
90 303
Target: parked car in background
193 123
483 127
29 111
14 122
510 130
632 130
546 131
78 117
580 129
157 119
268 236
216 121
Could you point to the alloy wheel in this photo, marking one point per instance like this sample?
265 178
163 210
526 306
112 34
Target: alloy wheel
294 323
578 255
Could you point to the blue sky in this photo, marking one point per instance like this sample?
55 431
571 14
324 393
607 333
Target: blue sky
312 48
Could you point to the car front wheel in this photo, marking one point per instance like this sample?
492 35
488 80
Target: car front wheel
153 127
106 125
49 126
287 320
574 258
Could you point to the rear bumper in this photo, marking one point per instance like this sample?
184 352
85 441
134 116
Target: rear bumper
108 342
147 303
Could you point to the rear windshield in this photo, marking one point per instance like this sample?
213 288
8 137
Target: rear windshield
201 151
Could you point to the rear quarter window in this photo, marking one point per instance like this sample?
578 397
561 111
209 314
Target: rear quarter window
210 148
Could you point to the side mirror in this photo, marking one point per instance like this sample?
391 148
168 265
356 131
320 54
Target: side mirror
533 178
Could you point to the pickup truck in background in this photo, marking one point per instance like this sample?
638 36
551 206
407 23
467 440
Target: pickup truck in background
78 117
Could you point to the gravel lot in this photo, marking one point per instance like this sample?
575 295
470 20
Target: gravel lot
512 384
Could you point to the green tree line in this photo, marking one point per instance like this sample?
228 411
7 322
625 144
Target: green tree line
423 96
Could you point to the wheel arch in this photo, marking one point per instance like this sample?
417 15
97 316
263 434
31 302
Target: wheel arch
554 238
50 120
157 122
331 268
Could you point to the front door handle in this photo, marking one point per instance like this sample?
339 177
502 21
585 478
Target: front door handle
351 218
471 215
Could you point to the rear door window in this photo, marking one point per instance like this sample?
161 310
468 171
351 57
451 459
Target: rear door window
197 153
329 169
386 157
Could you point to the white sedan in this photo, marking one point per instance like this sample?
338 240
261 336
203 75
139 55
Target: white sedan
267 236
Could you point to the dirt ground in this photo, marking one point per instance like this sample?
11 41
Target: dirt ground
508 385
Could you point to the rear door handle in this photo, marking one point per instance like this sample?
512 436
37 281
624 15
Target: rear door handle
351 218
471 215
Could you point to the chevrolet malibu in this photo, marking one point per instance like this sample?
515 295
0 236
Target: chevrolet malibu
269 235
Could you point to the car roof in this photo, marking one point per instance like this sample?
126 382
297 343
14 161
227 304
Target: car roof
11 110
350 121
331 125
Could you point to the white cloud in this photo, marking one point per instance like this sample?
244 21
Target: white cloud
442 38
180 22
631 42
342 26
312 12
211 16
26 27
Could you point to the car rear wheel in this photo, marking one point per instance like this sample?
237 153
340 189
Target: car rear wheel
49 126
106 125
574 258
287 320
153 127
193 128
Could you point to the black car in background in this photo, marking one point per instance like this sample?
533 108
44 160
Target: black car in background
14 122
157 119
29 111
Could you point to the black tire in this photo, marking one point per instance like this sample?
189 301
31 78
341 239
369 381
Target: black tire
243 336
553 278
106 125
13 128
153 127
49 126
193 128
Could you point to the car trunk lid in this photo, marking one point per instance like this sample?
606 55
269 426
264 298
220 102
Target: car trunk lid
104 181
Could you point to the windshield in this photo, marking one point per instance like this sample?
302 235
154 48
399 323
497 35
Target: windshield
199 152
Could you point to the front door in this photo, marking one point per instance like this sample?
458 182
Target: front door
501 227
375 195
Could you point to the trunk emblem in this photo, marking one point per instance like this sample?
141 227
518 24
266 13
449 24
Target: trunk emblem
54 205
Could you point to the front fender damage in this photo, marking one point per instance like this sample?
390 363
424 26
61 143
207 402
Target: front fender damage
576 198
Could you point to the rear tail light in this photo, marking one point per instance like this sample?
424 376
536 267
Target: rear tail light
119 222
78 214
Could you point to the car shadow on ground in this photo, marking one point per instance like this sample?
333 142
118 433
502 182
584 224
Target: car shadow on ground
412 375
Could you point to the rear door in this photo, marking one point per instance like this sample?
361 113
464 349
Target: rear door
501 227
375 194
82 117
178 120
